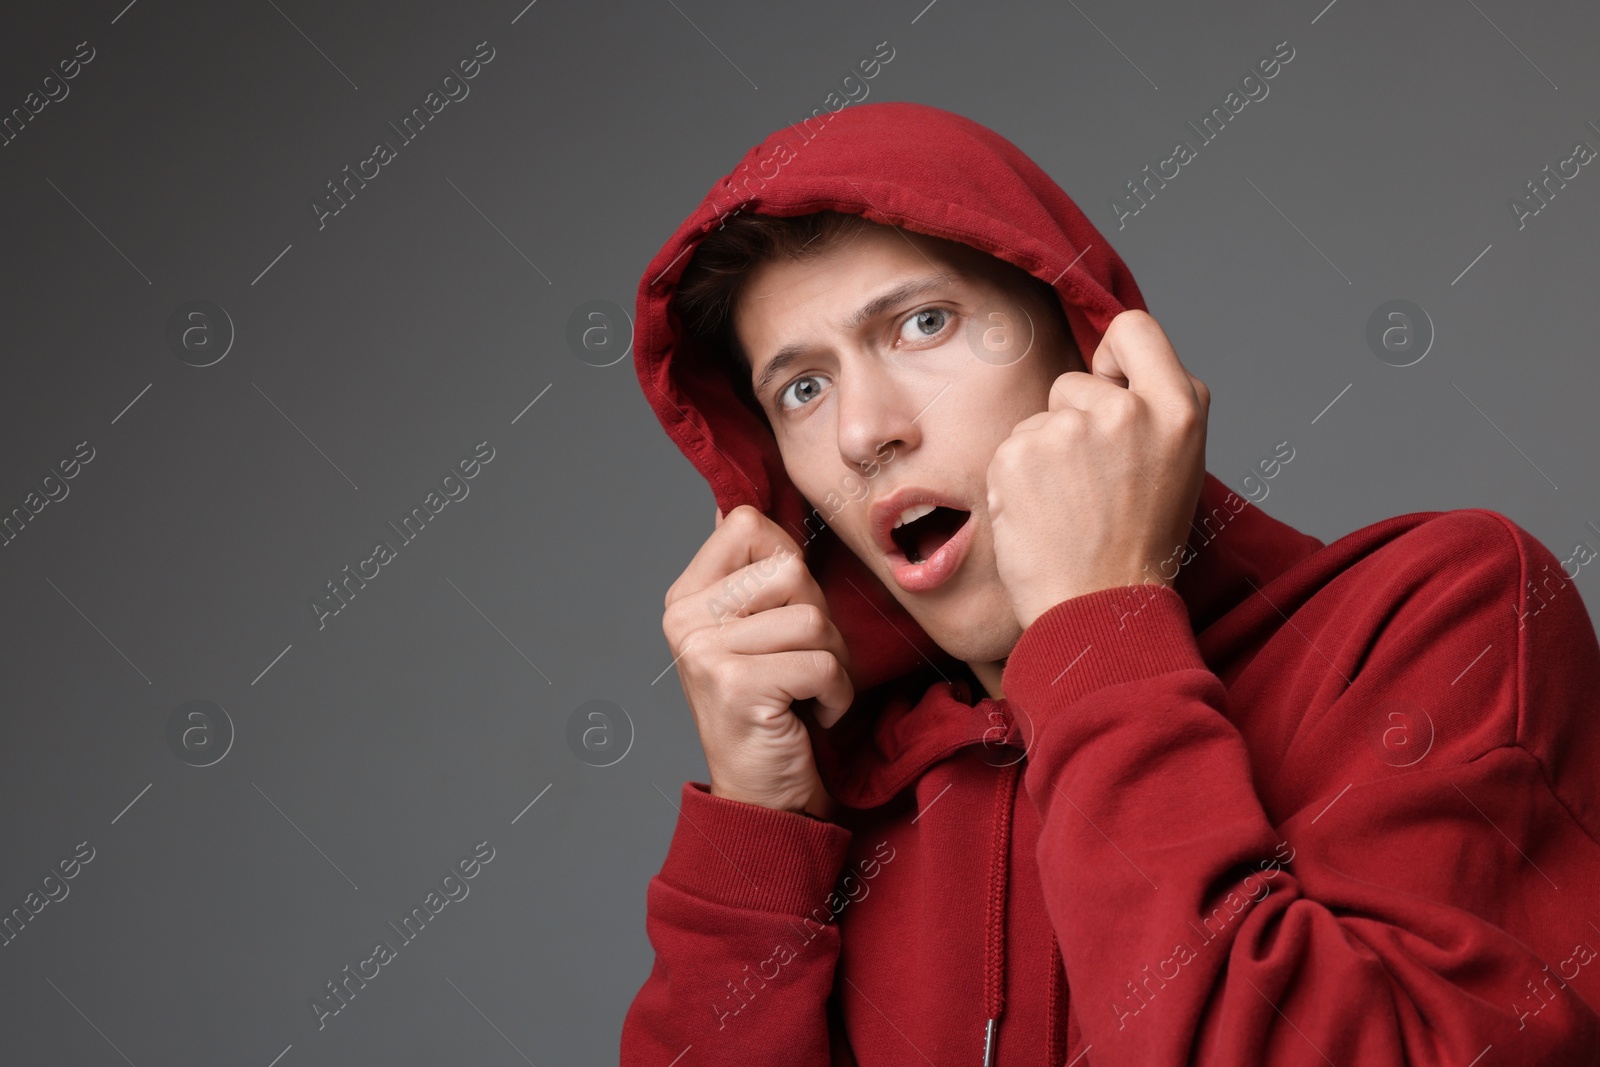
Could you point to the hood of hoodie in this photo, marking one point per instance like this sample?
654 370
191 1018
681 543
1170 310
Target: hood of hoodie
935 172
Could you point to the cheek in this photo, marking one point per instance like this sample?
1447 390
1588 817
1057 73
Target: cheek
989 411
833 492
801 461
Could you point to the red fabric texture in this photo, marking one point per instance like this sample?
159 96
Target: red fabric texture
1318 804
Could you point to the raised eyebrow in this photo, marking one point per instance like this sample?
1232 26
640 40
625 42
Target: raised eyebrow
866 312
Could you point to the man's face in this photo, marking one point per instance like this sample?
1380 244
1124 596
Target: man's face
916 395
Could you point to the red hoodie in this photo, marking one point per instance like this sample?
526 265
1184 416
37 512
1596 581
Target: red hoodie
1319 804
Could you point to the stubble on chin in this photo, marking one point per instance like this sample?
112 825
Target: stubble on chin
981 631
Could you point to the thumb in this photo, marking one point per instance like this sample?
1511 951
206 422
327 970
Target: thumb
719 518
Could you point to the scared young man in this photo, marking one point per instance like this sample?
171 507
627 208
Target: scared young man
1029 741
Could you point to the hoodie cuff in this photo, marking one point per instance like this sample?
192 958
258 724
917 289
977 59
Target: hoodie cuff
1099 639
747 856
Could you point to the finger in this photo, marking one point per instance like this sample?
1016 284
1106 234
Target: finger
744 536
789 628
1135 352
809 674
1085 392
778 580
1034 421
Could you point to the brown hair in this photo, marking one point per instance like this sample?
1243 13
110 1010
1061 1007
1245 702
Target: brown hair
709 289
711 284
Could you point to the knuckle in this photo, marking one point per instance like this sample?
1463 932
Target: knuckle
1071 425
676 617
1120 413
787 551
1188 416
1008 462
745 518
787 570
819 663
1122 404
814 622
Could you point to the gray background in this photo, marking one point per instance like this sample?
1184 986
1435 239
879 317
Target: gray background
424 318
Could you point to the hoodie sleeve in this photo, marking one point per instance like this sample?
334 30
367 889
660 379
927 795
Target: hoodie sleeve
1373 923
740 918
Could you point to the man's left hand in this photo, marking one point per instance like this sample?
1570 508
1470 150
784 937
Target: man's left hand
1099 490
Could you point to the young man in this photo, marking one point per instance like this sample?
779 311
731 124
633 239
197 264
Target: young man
1094 762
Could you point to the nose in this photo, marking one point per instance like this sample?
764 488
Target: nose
876 414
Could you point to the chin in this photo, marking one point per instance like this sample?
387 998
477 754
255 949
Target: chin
982 632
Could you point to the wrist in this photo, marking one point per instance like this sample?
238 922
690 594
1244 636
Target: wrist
741 797
819 807
1040 602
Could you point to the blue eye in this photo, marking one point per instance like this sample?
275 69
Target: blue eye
936 318
798 381
919 319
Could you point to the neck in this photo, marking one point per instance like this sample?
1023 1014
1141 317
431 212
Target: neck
988 675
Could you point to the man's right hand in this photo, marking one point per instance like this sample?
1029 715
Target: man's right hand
750 632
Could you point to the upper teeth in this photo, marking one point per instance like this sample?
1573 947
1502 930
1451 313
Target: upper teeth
912 514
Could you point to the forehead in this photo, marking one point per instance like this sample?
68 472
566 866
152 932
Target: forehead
781 294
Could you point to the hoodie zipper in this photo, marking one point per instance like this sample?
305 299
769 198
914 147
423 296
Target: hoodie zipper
994 971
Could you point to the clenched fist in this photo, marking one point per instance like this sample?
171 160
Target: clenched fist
750 632
1099 489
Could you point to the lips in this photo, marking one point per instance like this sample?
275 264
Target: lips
924 553
924 535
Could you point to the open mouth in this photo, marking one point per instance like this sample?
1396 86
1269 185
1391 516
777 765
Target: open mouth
920 538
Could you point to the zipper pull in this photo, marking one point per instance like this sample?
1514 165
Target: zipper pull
988 1042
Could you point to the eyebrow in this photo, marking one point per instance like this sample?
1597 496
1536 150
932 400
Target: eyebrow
871 309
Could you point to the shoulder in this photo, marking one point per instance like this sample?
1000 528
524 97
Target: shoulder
1467 627
1443 567
1459 638
1418 643
1434 549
